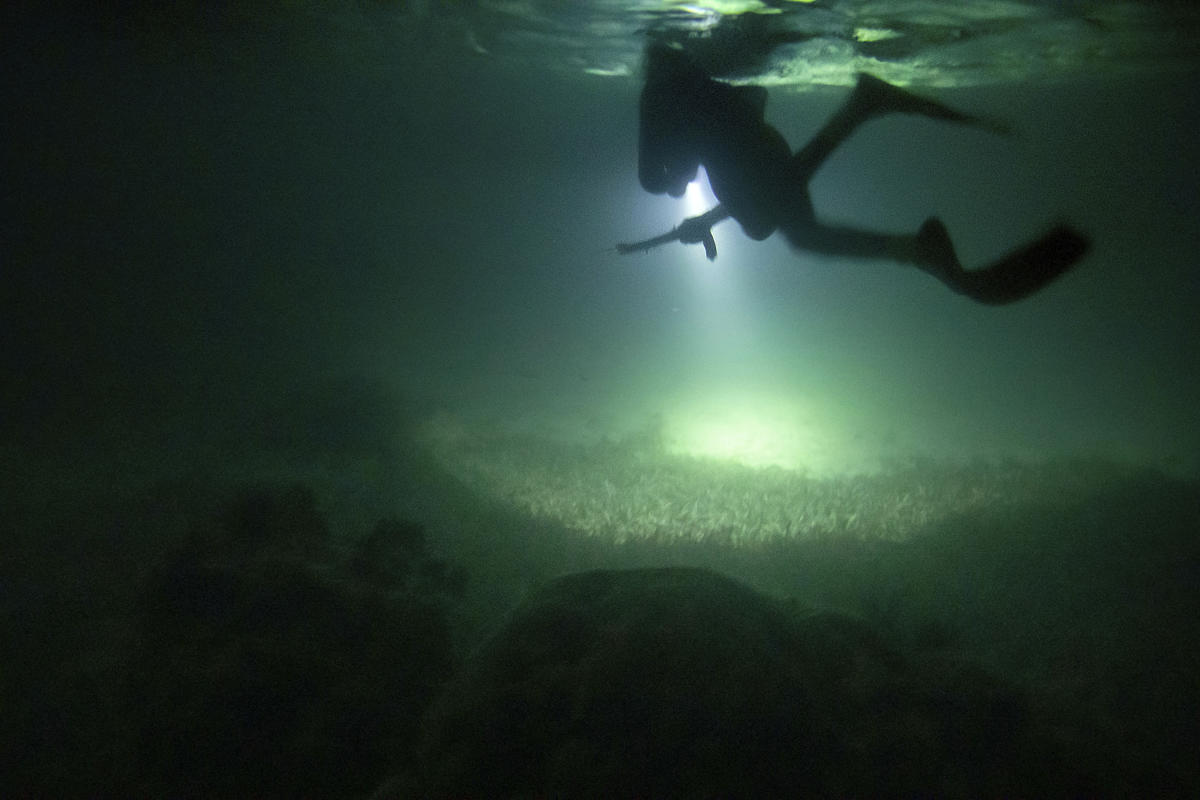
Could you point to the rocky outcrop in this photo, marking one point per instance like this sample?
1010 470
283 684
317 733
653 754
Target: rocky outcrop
684 683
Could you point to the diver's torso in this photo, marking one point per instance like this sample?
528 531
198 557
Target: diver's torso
746 159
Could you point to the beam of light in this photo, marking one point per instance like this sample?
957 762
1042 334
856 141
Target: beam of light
710 291
698 196
721 417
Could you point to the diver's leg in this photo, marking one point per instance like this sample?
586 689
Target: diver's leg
930 249
836 130
1019 274
872 97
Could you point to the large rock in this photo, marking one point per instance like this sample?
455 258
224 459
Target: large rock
684 683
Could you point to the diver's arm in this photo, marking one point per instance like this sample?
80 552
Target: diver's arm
691 231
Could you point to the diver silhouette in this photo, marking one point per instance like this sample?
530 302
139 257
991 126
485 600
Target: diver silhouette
687 119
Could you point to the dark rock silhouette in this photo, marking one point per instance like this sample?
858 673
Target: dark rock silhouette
273 662
684 683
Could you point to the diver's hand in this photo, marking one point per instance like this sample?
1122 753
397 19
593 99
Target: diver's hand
697 230
690 231
693 230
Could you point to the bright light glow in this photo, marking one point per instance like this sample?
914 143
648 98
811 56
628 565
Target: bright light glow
698 197
875 34
761 423
750 427
719 8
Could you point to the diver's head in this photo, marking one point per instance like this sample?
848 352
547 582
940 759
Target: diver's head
668 157
662 169
667 61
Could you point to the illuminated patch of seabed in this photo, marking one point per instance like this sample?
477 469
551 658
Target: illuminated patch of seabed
756 429
636 488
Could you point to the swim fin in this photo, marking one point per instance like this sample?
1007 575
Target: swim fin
1022 272
874 96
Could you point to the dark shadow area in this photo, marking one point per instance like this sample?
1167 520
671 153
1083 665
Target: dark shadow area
221 634
253 656
682 683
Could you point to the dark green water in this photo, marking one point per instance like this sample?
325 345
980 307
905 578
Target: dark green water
263 250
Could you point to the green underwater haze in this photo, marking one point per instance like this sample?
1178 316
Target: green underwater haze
340 450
